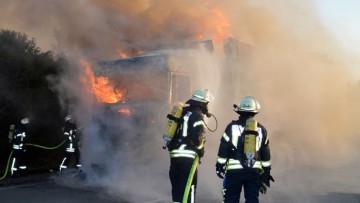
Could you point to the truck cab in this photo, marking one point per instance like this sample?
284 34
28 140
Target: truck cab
146 87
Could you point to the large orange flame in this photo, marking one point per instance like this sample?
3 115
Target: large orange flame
222 25
216 26
100 87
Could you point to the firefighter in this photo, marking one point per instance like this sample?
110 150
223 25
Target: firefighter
187 147
18 165
240 167
72 143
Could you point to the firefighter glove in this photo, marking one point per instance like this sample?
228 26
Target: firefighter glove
266 177
263 188
220 170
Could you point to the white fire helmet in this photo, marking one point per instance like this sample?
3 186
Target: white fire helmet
25 121
248 104
68 118
202 96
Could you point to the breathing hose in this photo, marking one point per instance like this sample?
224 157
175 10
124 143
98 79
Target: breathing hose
209 115
33 145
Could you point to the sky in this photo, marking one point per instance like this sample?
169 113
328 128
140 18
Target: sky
343 19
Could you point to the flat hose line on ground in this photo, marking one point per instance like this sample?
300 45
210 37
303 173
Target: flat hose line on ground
33 145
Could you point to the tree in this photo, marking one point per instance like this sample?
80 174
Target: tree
25 90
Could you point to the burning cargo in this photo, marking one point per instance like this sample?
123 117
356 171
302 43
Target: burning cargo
145 87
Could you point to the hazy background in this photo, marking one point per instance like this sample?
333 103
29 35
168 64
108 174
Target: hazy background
303 76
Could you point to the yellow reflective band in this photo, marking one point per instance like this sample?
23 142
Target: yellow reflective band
182 155
226 137
236 131
267 139
266 163
200 146
233 161
182 147
198 96
185 127
221 160
177 151
259 139
197 123
235 164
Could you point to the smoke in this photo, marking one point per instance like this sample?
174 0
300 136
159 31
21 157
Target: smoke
294 66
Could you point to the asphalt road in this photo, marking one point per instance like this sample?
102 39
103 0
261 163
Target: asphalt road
45 188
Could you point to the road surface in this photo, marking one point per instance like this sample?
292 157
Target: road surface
46 188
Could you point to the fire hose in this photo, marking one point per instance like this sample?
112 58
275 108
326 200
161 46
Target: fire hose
7 166
33 145
43 147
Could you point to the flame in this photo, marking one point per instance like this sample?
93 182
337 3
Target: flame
138 53
122 54
222 25
217 25
127 112
100 87
199 37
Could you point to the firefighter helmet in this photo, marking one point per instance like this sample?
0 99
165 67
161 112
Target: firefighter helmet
68 118
25 121
248 104
201 96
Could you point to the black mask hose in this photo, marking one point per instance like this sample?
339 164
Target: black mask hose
209 115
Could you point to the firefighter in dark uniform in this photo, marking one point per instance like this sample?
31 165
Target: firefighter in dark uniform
18 165
72 143
187 146
250 171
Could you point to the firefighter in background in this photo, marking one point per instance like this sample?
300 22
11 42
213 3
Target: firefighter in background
187 146
72 143
240 167
18 165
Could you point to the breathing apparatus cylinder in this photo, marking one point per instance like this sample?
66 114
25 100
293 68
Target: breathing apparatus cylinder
172 125
11 133
250 139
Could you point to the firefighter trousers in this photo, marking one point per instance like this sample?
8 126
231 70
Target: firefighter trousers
235 180
18 163
67 157
180 168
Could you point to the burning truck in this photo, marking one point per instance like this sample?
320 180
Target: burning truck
145 87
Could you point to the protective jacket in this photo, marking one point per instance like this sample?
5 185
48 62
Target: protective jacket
228 153
190 140
71 138
19 136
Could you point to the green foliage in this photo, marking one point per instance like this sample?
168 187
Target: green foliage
25 90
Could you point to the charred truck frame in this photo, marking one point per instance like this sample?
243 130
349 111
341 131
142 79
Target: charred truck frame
148 86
